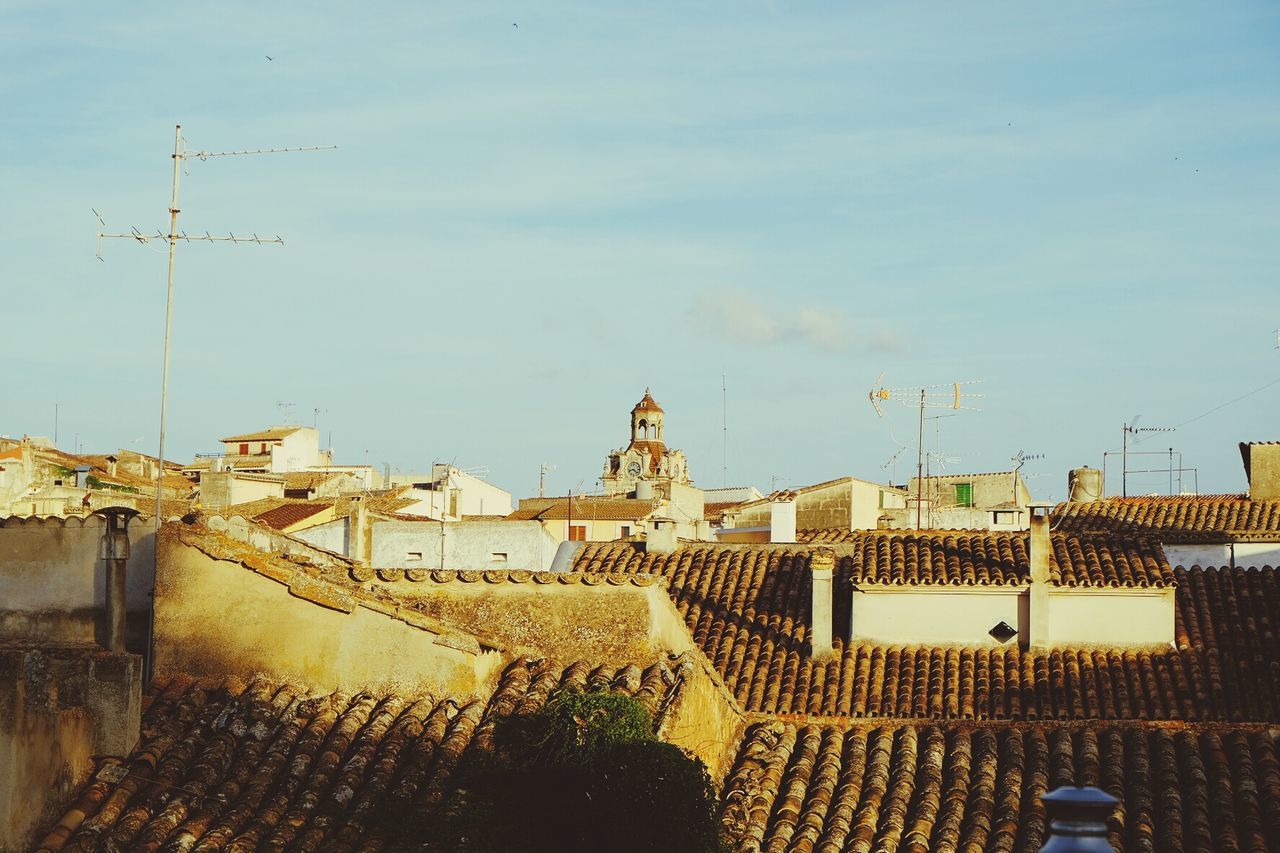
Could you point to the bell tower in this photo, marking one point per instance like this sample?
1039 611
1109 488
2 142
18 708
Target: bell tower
646 420
646 456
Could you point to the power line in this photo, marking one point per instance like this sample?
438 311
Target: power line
1229 403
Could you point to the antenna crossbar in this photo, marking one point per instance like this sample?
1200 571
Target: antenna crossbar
205 155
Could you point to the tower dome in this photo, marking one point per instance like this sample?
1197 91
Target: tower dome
646 419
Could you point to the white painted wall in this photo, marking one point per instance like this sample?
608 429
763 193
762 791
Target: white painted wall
941 615
1110 617
332 536
467 545
1247 555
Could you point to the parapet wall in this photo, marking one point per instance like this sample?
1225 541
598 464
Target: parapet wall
224 609
274 542
60 707
53 586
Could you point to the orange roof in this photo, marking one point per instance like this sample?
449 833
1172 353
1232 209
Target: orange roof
290 514
646 404
265 435
584 508
15 453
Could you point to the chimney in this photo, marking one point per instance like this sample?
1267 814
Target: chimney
782 517
82 476
113 548
1262 469
660 536
822 565
111 466
358 530
1039 550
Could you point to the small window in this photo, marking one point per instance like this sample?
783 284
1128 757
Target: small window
577 533
498 558
1003 632
414 557
244 449
1003 516
964 494
624 531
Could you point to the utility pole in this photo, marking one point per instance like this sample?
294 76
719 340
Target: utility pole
543 470
179 156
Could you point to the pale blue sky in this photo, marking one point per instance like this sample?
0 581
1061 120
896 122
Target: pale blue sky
526 225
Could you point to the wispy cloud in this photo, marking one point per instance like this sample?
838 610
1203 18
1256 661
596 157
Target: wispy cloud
738 315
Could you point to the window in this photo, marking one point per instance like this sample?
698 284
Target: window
964 494
624 531
498 558
414 557
244 449
577 533
1003 516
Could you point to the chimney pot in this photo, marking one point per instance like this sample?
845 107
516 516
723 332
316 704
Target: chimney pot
822 567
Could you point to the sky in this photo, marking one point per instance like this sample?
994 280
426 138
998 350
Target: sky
537 210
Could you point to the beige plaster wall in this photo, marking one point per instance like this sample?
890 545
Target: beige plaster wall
53 586
941 615
215 618
1111 617
59 709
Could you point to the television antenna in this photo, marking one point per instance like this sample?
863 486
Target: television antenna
944 396
543 470
180 156
1132 428
286 412
1019 459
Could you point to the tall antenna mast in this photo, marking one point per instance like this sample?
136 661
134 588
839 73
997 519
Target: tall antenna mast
944 396
172 238
1132 428
724 433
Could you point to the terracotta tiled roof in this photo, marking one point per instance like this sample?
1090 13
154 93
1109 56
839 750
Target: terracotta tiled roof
273 766
748 609
272 434
984 558
290 514
1175 519
978 788
308 479
587 508
647 404
715 511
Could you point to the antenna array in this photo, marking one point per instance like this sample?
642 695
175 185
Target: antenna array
944 396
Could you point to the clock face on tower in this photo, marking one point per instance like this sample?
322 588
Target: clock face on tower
634 469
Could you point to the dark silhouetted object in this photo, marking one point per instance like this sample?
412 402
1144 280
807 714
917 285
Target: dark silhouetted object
1078 820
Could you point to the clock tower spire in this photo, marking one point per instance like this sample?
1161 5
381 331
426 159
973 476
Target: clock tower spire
646 456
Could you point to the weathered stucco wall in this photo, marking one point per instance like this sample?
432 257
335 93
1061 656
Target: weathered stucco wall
224 613
527 545
271 541
942 615
593 616
706 720
59 708
1111 617
53 586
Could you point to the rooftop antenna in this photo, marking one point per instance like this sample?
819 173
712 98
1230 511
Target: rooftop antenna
286 412
774 480
724 432
1132 428
180 155
543 470
1019 459
945 396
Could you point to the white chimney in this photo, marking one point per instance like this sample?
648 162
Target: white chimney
782 517
1039 550
660 536
822 565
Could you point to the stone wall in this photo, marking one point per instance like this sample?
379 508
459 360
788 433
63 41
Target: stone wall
61 707
271 541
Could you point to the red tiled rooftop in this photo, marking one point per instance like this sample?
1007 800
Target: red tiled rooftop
1182 518
290 514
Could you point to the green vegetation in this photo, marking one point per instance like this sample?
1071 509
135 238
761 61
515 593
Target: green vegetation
585 773
94 483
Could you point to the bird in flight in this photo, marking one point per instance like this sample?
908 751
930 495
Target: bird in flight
269 59
514 24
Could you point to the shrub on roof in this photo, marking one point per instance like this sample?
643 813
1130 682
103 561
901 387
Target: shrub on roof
585 773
